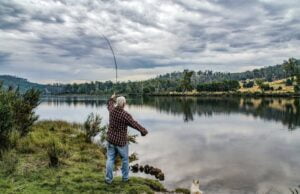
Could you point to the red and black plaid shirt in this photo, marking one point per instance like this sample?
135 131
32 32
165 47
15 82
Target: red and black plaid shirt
119 119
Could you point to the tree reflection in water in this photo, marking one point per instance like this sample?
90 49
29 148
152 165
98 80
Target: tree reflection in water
281 110
284 110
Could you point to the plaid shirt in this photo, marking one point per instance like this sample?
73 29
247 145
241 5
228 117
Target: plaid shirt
119 119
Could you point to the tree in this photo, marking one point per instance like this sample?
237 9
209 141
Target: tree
186 81
16 113
259 82
292 67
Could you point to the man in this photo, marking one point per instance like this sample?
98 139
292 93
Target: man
117 140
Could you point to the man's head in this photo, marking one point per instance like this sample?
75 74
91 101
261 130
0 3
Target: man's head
121 101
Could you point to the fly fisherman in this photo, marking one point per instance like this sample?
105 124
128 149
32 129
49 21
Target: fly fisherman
119 120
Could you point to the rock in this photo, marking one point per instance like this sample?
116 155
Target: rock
141 168
135 168
155 171
147 169
160 176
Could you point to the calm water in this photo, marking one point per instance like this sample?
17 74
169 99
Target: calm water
232 145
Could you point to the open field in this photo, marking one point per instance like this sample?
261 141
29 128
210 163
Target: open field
279 90
275 84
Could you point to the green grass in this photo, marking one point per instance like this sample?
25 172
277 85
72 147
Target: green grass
81 165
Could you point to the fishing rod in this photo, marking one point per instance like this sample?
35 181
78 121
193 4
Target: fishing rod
113 53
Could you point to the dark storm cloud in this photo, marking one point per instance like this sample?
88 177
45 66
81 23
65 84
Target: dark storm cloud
76 47
11 15
152 36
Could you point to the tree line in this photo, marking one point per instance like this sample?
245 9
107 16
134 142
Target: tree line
177 81
185 81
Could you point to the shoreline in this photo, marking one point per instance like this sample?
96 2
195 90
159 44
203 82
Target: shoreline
230 94
198 94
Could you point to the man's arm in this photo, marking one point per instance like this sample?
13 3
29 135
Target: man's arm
132 123
111 102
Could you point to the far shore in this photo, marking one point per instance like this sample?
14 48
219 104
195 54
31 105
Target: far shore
231 93
195 94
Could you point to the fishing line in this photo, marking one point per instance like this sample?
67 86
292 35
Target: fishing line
112 51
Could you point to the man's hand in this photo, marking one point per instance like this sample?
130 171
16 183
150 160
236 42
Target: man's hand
144 133
113 96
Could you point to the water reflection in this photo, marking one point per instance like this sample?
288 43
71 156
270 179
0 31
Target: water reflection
286 111
92 101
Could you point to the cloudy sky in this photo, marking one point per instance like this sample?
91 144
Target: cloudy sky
60 40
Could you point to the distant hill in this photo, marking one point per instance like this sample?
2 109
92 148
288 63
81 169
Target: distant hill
23 84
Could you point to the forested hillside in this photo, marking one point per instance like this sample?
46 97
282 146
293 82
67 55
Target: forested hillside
183 81
170 82
23 84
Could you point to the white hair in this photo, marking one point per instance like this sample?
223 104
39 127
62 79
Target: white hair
121 101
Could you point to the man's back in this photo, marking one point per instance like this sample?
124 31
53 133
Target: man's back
119 120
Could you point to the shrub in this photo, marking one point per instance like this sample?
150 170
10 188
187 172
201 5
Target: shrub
54 149
132 138
249 84
92 126
297 88
227 85
16 112
6 122
259 82
265 87
288 82
133 157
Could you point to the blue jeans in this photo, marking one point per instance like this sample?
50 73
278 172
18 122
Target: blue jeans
112 152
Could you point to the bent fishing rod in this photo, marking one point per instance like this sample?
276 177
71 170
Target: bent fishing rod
113 53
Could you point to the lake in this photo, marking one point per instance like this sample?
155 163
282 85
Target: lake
233 145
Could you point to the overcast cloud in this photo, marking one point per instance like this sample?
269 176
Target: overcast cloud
60 40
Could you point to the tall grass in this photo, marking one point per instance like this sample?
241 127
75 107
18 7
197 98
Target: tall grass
8 162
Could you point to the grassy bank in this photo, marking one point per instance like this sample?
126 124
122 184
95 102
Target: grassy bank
80 169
